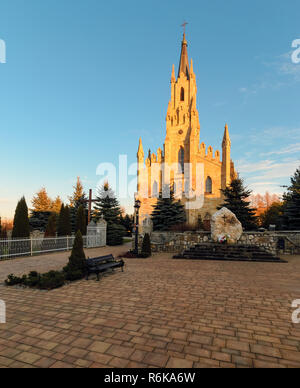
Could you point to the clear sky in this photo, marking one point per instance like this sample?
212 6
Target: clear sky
85 78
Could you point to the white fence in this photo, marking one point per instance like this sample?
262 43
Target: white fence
10 249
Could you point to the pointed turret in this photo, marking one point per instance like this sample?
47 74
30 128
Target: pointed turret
226 137
173 77
140 154
226 159
184 66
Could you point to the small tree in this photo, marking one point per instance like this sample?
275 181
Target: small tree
236 196
21 221
81 220
60 225
146 246
291 214
77 262
51 226
167 212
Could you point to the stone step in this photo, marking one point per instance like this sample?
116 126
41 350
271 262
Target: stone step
238 252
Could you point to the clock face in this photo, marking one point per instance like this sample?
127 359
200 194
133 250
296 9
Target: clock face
180 132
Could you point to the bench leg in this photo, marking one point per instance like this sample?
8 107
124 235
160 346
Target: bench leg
98 277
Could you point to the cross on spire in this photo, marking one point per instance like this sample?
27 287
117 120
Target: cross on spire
184 26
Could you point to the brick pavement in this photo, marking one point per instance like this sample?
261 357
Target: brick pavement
158 313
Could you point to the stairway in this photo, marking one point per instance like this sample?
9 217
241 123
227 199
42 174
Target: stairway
228 252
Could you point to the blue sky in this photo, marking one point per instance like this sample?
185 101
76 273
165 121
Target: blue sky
85 78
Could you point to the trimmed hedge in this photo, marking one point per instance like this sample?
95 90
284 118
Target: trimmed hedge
46 281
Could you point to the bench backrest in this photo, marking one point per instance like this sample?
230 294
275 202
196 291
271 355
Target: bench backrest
100 260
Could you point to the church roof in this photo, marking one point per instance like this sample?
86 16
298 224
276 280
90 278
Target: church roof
184 66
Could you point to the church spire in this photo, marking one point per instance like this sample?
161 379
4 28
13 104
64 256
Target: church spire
226 138
140 153
184 66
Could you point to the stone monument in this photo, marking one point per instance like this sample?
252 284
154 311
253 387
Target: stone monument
224 223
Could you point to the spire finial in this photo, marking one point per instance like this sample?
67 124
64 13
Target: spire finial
184 27
184 66
140 150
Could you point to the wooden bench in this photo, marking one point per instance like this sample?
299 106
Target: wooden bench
101 264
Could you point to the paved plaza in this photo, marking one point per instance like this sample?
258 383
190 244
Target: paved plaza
158 313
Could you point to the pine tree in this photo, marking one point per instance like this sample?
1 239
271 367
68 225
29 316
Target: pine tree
39 219
76 267
41 202
107 205
81 220
167 212
67 222
291 215
51 226
236 201
61 230
78 197
21 221
146 246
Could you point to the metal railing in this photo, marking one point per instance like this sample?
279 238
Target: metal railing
14 248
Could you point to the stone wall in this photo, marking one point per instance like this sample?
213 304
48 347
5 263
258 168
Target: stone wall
175 242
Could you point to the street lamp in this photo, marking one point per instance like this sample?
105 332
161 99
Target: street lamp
137 206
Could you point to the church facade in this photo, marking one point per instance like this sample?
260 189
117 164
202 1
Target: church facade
183 150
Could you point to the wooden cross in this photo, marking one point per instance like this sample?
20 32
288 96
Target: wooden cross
90 201
184 25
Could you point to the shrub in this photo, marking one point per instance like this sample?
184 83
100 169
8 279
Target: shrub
13 280
51 280
76 268
32 280
146 247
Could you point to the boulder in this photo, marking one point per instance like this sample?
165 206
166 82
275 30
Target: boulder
225 223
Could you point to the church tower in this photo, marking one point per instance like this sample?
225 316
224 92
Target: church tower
183 128
182 154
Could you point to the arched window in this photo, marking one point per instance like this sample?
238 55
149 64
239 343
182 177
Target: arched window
181 159
182 94
208 185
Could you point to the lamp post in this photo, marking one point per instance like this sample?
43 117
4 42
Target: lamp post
137 206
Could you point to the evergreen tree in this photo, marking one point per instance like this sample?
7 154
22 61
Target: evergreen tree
76 267
61 230
67 222
146 246
127 223
56 205
81 220
78 197
291 214
107 205
51 226
41 202
39 219
21 220
167 211
236 201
